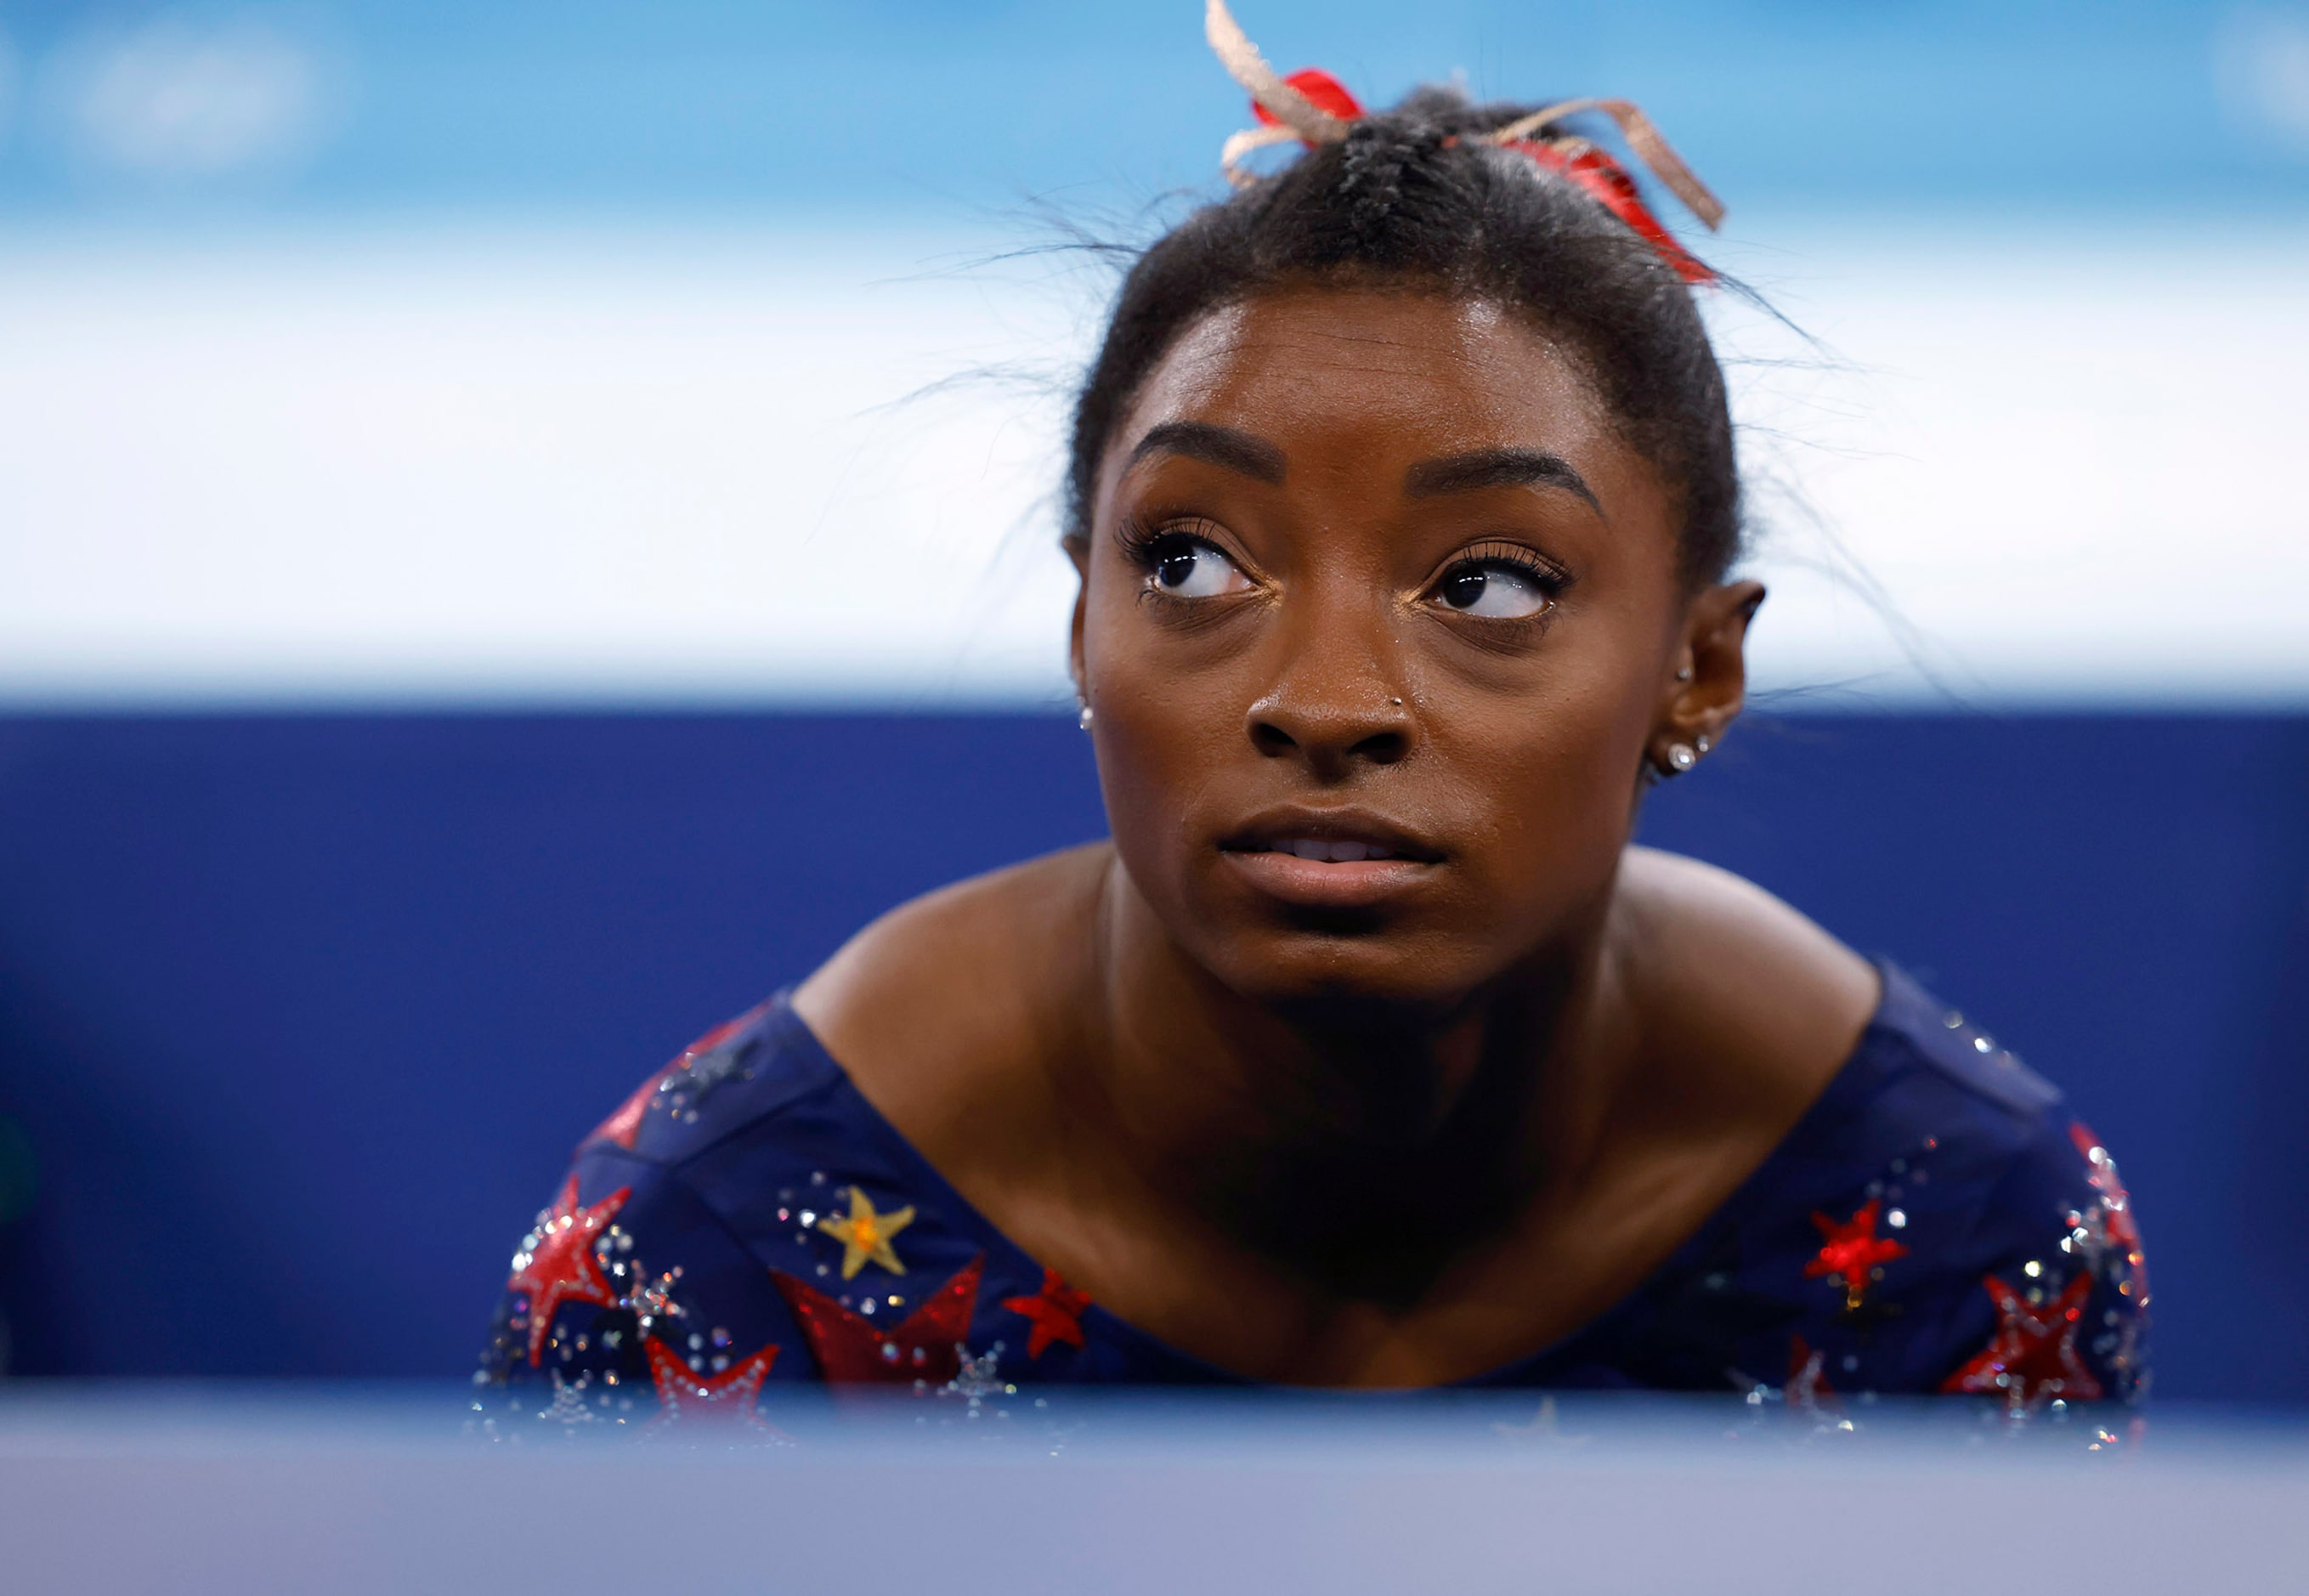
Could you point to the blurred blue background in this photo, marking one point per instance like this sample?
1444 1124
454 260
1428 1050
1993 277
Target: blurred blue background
478 607
2177 106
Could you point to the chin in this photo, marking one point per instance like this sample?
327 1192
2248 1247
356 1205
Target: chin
1347 968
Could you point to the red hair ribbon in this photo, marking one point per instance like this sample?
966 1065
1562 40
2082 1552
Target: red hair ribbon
1315 107
1609 182
1322 91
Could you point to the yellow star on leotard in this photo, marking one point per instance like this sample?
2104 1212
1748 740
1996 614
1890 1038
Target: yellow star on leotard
866 1234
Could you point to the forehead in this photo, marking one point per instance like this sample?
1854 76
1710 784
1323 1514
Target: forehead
1368 374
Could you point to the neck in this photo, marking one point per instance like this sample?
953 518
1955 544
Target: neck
1365 1144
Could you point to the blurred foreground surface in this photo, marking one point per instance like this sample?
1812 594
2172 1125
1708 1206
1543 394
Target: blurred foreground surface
351 1489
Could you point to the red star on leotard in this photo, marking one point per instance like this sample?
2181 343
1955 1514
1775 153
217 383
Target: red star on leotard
621 1127
1851 1249
851 1349
684 1394
2115 1201
561 1266
1056 1311
2032 1355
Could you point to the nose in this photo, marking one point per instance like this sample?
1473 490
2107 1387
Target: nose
1332 702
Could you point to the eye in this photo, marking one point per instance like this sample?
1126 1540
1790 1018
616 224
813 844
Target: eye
1184 567
1496 589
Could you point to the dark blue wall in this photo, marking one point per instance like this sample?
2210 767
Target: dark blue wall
300 1016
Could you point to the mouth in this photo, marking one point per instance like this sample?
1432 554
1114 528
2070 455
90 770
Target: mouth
1334 859
1330 850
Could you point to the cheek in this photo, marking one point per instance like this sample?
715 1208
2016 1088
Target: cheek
1552 768
1563 789
1161 732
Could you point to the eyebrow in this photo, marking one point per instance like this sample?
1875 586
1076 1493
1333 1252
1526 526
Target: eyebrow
1254 457
1497 468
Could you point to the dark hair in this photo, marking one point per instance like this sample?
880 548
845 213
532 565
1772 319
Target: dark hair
1415 197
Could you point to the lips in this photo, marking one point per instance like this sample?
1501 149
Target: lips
1330 859
1327 851
1330 836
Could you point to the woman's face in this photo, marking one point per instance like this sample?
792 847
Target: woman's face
1380 622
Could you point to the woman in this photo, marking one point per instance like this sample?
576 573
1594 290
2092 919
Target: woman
1369 1052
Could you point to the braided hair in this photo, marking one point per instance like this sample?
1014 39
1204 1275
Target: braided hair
1414 198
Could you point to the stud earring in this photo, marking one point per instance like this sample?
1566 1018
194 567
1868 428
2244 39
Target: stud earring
1685 675
1700 744
1680 758
1083 719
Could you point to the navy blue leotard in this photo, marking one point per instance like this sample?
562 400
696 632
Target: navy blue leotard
1938 1222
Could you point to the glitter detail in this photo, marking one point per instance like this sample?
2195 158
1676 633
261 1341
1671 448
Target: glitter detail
2032 1355
568 1406
975 1377
684 1396
2115 1201
711 1063
650 1297
621 1127
1807 1390
556 1263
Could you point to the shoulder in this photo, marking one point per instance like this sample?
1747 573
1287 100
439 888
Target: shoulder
1945 1223
2027 1278
953 997
1937 1218
942 945
1719 935
739 1073
958 973
1926 1079
743 1217
635 1275
1759 1006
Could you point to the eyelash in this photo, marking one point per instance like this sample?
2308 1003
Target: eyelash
1142 543
1550 578
1139 540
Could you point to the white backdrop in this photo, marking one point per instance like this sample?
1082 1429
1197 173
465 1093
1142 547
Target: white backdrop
380 466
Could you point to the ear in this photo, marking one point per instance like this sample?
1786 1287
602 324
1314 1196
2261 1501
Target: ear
1708 674
1077 551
